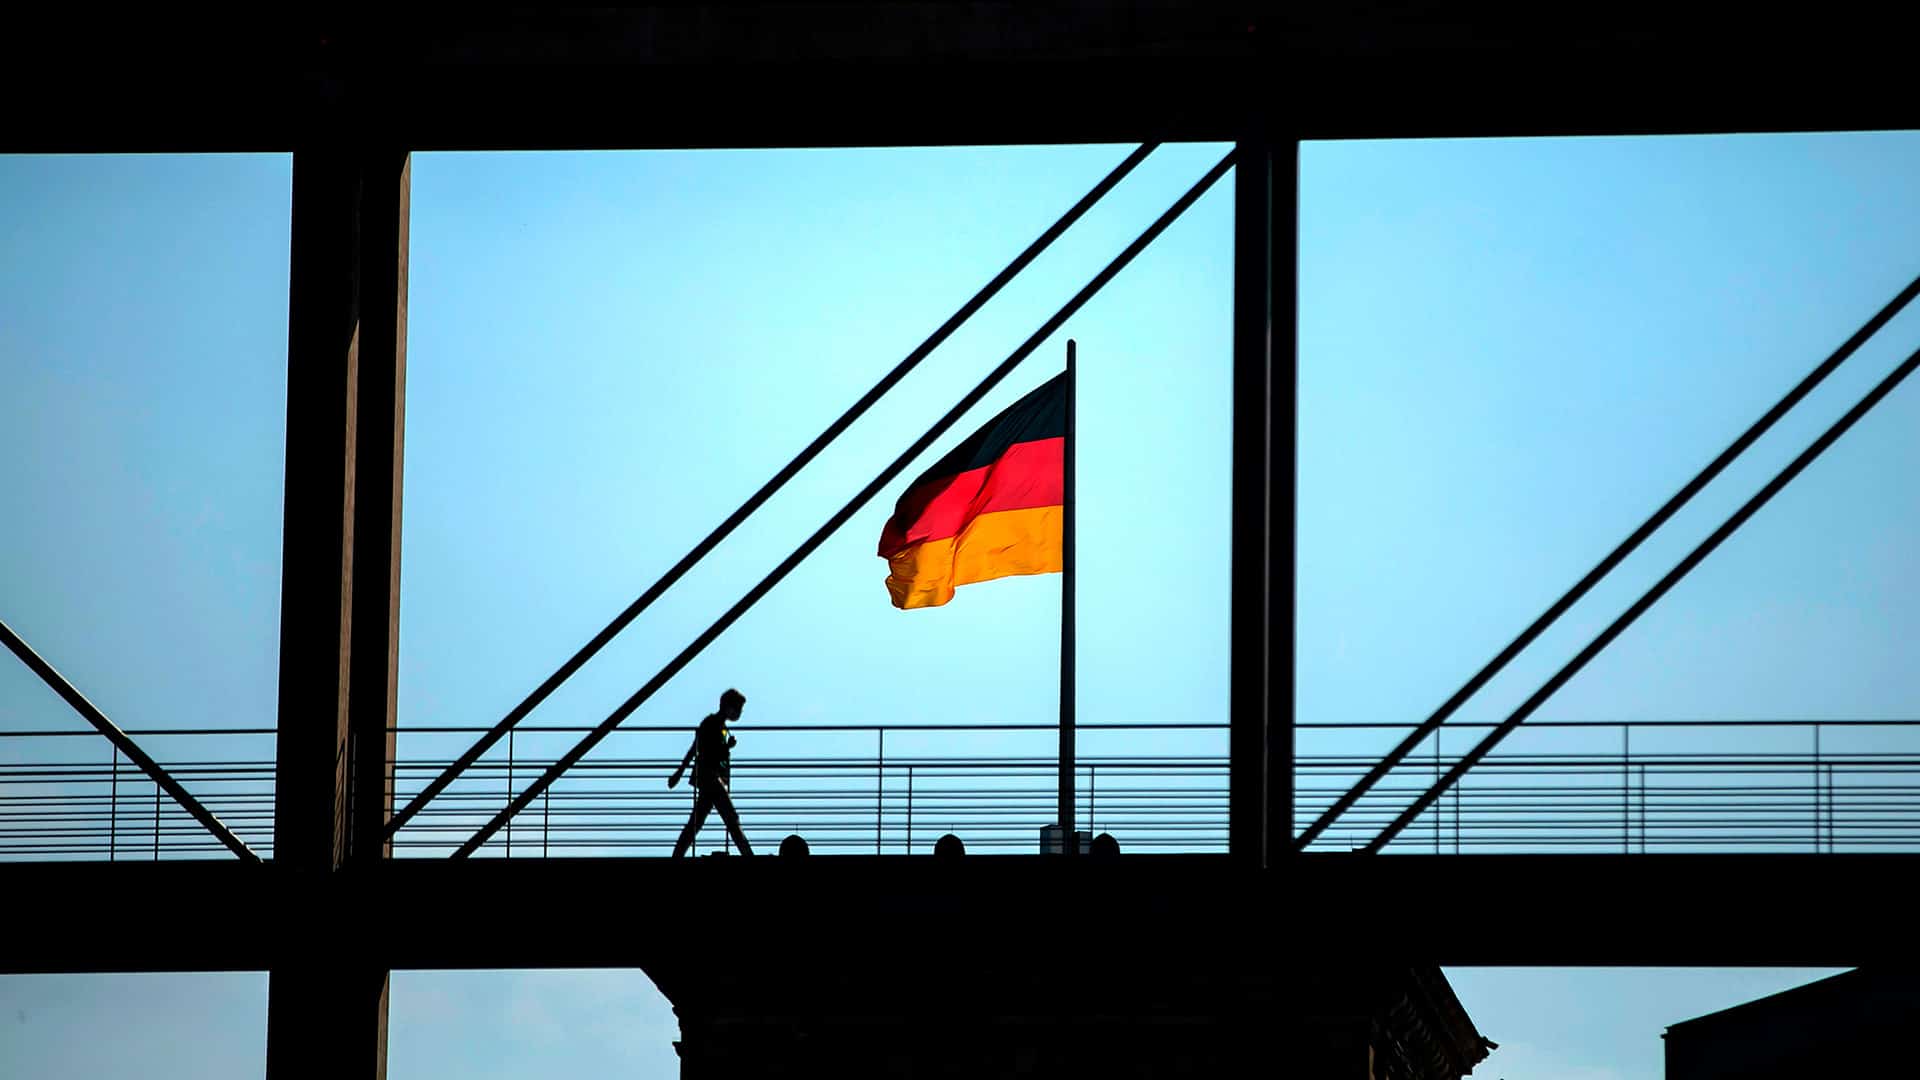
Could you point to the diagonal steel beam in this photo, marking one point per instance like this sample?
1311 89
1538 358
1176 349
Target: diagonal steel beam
846 512
1652 596
1605 566
127 746
771 487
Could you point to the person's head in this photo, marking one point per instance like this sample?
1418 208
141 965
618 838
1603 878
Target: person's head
730 703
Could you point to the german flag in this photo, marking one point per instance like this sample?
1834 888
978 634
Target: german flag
991 508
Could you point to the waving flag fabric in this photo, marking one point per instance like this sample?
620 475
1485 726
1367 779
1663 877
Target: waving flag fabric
991 508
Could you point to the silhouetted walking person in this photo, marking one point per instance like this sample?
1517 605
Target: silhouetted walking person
711 758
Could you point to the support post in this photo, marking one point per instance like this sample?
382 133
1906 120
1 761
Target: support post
346 372
380 444
1260 746
1283 221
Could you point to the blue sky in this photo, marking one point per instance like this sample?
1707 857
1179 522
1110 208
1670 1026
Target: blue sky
1510 353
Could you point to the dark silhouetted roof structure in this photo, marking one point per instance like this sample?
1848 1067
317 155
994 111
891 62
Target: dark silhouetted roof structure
937 71
1847 1025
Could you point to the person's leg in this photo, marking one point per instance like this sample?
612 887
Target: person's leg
725 802
702 803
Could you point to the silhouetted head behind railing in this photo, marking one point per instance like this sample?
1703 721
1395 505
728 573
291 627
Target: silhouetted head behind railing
949 846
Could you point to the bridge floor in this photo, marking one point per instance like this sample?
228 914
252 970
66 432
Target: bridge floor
638 913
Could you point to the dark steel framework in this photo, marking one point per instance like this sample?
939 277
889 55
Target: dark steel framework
352 95
1604 567
770 488
840 517
124 744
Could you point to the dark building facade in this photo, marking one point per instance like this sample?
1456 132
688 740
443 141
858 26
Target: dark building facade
985 966
1850 1025
1005 1012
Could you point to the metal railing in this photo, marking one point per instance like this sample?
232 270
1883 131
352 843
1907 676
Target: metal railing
1638 787
845 788
1645 786
72 795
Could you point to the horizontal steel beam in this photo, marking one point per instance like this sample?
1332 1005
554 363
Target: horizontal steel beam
1670 910
943 73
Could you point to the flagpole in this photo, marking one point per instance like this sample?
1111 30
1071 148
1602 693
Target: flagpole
1069 841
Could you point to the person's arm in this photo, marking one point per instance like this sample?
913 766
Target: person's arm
674 780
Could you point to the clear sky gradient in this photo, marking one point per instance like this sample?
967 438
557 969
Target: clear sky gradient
1510 353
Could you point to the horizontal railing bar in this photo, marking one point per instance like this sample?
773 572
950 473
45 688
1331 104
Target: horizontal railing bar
1332 725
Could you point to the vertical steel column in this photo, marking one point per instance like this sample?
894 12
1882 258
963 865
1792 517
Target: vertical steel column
386 209
316 606
1282 471
1261 741
346 369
